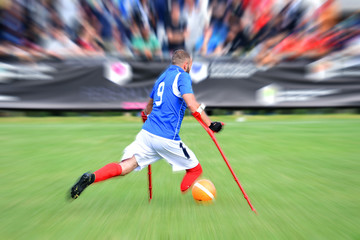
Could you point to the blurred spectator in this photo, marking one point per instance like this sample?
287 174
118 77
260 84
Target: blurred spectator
237 41
327 16
313 42
162 15
269 31
145 44
176 29
101 10
352 47
236 10
60 44
12 24
279 27
121 43
144 13
69 14
12 37
197 19
335 63
215 35
261 19
38 13
345 31
122 31
88 39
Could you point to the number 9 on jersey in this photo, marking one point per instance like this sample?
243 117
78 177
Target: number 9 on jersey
160 93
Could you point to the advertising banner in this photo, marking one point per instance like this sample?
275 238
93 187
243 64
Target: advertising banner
115 84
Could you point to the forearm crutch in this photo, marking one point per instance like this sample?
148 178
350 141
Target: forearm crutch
212 135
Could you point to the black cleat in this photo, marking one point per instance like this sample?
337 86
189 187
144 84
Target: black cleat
85 180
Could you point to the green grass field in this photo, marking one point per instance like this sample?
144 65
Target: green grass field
302 174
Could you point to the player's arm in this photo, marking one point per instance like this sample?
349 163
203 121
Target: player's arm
184 83
149 106
194 107
147 109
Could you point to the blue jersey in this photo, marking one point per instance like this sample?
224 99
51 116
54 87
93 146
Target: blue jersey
169 106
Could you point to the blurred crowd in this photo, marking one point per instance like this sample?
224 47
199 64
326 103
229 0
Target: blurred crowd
268 31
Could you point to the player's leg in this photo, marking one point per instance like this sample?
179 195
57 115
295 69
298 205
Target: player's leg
115 169
108 171
137 155
180 157
191 175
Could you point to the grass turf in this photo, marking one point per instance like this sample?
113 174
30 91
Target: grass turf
301 173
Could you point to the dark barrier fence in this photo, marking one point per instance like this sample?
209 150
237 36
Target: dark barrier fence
118 84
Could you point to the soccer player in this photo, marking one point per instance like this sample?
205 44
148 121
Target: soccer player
159 137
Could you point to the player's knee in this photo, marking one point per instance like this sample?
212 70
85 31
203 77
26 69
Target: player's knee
128 165
196 170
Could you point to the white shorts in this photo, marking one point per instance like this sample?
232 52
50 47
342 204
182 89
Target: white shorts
149 148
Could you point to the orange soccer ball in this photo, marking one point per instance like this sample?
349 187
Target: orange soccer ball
204 191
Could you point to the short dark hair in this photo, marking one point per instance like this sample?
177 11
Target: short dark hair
179 57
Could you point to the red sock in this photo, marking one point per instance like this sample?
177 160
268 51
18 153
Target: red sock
108 171
190 177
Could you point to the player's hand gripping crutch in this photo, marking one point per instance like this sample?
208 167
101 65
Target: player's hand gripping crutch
197 115
144 118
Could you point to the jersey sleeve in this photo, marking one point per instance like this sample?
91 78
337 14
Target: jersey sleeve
184 84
